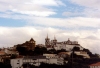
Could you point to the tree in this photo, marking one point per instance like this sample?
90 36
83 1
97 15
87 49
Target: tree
62 50
22 50
13 56
88 52
40 50
52 51
76 49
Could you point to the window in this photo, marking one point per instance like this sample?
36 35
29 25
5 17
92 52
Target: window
34 62
18 60
34 59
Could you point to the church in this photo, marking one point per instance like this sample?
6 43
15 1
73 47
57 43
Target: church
67 45
30 45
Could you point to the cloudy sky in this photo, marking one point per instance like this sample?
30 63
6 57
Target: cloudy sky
78 20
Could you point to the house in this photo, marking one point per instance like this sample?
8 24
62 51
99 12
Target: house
35 60
50 55
2 53
59 59
11 51
64 54
82 53
95 65
30 45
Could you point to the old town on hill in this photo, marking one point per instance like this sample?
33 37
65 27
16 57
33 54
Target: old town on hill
65 54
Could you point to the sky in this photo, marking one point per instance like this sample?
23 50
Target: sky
78 20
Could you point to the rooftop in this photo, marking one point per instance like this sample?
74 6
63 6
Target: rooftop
95 64
34 57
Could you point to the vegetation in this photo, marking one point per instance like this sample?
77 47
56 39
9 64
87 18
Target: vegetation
37 51
74 61
45 65
4 65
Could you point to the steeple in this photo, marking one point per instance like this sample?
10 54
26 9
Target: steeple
47 36
54 37
47 41
54 41
68 39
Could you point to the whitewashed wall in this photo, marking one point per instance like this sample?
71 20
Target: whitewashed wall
15 63
19 62
67 47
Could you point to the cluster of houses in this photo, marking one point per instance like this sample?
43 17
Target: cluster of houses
46 58
37 60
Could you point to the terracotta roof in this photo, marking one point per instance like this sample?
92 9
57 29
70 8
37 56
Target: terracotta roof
95 64
2 52
20 56
64 53
34 57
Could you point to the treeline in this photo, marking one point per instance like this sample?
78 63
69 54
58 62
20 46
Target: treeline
43 50
37 51
45 65
4 65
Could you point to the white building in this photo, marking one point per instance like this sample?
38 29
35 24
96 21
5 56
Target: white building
67 47
64 54
9 51
95 65
60 60
35 60
16 63
82 53
67 54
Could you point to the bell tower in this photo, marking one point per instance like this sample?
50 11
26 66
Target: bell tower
47 41
54 41
32 43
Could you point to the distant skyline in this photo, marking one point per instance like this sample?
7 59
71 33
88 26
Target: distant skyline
78 20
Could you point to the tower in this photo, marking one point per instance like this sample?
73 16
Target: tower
32 43
54 41
69 42
47 41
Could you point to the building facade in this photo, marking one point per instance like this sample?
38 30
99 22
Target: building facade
67 45
35 60
30 45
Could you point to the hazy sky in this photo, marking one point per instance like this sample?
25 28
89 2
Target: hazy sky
78 20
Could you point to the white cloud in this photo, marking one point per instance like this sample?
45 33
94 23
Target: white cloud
72 22
95 4
47 3
72 14
67 22
91 13
87 12
91 8
10 36
31 7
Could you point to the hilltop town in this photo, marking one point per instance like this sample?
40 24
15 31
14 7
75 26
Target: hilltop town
69 54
